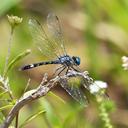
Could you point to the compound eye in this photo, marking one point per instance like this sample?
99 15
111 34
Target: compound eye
76 60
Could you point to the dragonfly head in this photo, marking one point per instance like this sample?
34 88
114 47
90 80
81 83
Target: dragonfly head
76 60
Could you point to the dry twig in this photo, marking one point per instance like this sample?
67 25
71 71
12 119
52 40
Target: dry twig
44 87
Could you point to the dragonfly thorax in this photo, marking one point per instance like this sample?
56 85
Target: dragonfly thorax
69 61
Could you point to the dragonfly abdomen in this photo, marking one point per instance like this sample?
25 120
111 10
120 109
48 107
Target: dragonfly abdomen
29 66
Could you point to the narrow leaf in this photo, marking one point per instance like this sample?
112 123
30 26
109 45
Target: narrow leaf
7 4
56 96
1 94
5 107
16 59
31 118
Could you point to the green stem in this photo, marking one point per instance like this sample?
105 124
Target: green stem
104 115
9 50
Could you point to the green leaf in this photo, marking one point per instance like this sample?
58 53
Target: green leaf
31 118
1 94
16 59
7 4
51 118
2 117
5 107
56 96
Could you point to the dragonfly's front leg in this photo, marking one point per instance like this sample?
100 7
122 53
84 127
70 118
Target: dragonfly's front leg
62 70
58 69
67 70
75 69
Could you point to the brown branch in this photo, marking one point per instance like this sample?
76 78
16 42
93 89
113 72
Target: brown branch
44 87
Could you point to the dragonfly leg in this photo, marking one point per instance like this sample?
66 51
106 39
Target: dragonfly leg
67 70
75 69
58 69
62 70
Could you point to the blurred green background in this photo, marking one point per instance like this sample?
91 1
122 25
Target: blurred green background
97 31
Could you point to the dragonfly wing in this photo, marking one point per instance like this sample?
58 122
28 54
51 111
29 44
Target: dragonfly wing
44 44
74 91
55 30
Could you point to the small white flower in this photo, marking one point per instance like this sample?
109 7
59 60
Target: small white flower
125 62
97 86
125 59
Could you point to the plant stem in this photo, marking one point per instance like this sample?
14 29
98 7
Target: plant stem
44 87
9 51
104 115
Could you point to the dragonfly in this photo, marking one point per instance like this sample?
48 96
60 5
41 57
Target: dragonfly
53 47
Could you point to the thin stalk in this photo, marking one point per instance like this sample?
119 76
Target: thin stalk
104 115
9 50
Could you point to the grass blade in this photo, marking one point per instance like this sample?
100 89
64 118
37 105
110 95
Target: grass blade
5 107
16 59
31 118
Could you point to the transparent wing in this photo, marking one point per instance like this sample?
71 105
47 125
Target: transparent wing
44 44
55 30
74 91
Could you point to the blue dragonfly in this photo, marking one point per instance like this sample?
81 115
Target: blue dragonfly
53 48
